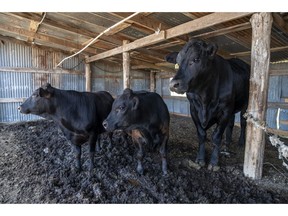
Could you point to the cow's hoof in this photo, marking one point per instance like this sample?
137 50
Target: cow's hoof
213 168
196 165
140 170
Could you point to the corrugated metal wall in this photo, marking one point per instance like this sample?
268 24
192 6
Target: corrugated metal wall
17 85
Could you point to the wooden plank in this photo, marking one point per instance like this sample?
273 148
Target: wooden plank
276 105
203 22
246 53
45 38
152 81
235 28
36 70
146 41
255 137
278 72
88 82
198 24
126 67
150 65
12 100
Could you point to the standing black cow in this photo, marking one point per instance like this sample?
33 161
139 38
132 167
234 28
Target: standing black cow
79 114
216 89
145 117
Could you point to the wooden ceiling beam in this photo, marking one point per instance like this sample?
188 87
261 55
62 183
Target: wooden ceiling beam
247 53
280 22
194 25
44 38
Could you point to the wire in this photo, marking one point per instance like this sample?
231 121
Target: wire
106 30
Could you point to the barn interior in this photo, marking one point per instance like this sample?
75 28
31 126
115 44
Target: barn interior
129 52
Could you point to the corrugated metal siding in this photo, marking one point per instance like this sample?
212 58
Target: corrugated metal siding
15 55
15 85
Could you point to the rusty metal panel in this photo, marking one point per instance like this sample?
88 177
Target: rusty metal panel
15 55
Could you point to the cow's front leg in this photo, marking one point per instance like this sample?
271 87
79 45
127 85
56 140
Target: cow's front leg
200 159
139 140
216 138
243 123
77 153
92 144
163 153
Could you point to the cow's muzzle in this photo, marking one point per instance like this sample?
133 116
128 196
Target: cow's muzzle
175 86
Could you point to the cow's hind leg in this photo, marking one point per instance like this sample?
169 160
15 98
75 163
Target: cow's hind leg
163 153
243 123
139 140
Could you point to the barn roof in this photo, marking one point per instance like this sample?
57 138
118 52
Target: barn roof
151 35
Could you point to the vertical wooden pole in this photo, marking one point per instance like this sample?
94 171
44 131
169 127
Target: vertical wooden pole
260 59
126 67
152 81
88 77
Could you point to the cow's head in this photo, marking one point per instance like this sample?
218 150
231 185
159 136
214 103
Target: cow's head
124 111
39 102
193 63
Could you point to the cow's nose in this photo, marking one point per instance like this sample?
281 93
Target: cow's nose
105 124
19 108
174 84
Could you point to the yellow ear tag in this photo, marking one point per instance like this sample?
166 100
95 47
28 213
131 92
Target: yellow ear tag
176 66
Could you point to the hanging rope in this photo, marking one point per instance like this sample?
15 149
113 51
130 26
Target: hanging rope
105 31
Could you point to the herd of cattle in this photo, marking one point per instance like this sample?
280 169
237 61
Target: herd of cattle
216 89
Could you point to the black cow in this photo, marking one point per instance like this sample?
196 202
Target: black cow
79 114
216 89
145 117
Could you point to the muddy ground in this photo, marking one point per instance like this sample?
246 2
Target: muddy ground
36 166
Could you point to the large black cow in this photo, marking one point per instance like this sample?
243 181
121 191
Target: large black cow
216 89
145 117
78 114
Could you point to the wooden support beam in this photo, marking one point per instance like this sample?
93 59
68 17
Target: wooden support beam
44 38
260 58
247 53
194 25
151 39
37 70
152 81
126 67
88 74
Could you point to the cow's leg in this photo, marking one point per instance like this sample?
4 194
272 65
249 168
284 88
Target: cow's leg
92 144
229 130
217 137
163 153
243 124
77 152
139 140
201 146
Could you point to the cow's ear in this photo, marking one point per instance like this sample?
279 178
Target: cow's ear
127 91
44 93
135 103
171 57
212 49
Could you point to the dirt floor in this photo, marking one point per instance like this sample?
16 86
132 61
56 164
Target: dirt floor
37 167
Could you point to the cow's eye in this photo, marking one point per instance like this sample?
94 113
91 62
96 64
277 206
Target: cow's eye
120 108
196 60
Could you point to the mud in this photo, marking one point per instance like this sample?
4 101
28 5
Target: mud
37 166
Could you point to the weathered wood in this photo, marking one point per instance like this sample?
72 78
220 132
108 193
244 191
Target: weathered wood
36 70
194 25
203 22
260 58
88 74
12 100
152 81
44 38
151 39
126 67
246 53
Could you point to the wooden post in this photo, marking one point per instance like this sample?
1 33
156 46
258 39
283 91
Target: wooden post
152 81
88 77
260 59
126 67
